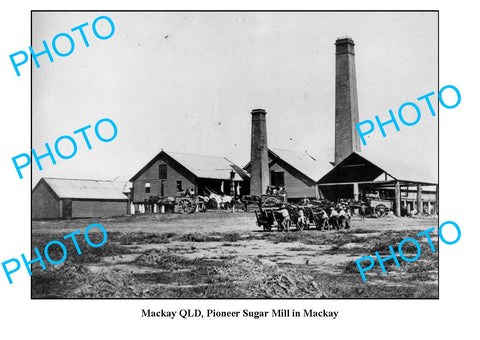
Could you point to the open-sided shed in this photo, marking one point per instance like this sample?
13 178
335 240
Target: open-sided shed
358 175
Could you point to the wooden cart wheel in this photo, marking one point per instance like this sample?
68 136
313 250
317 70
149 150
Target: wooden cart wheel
381 210
186 206
267 227
271 201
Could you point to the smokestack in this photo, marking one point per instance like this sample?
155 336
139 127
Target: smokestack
259 175
346 102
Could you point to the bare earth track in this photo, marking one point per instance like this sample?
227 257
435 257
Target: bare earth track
224 255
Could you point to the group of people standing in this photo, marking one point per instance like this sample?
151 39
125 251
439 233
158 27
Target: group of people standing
187 193
277 191
339 217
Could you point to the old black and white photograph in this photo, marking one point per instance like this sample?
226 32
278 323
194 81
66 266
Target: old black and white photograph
235 154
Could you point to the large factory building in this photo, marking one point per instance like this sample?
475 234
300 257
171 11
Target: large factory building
352 174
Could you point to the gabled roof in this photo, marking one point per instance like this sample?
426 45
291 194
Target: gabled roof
84 188
206 166
359 167
213 167
309 166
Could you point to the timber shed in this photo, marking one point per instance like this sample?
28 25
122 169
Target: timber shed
169 174
55 198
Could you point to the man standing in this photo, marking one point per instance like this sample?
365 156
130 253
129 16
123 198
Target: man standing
305 201
363 209
323 220
285 218
283 193
344 217
334 218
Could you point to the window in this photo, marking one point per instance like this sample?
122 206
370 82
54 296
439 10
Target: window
147 188
277 178
162 171
179 186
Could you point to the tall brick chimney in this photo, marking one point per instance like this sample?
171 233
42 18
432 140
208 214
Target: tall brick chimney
259 175
347 139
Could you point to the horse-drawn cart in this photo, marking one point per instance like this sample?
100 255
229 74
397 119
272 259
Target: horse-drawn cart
269 216
373 207
185 205
380 208
318 214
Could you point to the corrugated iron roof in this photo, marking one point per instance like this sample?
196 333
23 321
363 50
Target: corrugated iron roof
86 188
402 169
397 168
310 166
214 167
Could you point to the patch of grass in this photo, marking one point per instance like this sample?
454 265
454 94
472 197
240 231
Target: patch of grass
350 285
382 246
346 238
57 283
350 267
336 249
197 237
88 254
361 231
198 275
231 237
140 238
422 266
285 237
300 248
160 260
409 248
421 276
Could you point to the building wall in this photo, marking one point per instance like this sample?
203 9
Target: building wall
96 208
295 187
152 174
44 203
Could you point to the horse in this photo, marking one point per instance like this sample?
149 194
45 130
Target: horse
223 201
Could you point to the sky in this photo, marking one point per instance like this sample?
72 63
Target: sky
187 82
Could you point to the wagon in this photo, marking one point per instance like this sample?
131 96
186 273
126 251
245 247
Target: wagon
374 206
268 201
253 202
185 205
379 208
314 216
269 217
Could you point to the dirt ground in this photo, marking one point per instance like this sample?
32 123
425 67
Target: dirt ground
225 255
